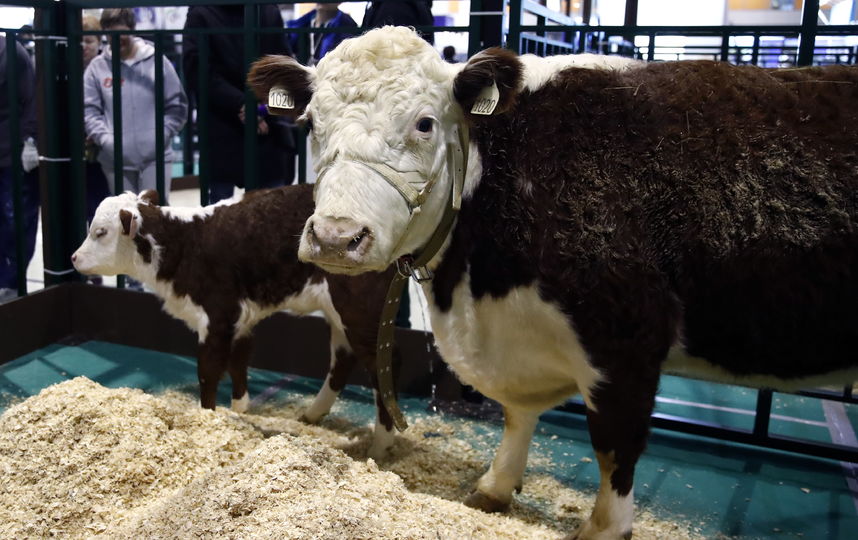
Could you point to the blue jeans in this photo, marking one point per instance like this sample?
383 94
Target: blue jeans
30 200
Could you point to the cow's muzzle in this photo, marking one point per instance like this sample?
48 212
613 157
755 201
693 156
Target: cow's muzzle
341 242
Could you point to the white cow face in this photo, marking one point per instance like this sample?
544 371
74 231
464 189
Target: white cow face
108 248
382 111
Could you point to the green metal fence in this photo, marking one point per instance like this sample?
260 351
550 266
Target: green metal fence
61 142
60 88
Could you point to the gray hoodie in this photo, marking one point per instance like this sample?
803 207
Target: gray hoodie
138 106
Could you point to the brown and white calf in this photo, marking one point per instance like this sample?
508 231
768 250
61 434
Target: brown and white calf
223 268
614 214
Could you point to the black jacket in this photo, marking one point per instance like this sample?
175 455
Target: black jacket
226 85
400 13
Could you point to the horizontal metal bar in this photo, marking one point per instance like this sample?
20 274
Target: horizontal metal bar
744 436
530 6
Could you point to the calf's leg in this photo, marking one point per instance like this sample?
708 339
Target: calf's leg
238 361
495 487
212 363
342 362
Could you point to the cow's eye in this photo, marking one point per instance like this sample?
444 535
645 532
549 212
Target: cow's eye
100 232
424 125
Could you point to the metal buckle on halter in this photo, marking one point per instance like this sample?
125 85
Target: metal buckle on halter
405 269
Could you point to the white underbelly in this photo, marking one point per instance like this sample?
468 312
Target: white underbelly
518 350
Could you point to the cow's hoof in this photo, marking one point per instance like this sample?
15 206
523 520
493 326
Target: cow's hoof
377 452
486 503
518 487
312 421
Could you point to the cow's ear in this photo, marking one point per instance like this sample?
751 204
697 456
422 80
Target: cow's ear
474 86
129 223
150 196
282 72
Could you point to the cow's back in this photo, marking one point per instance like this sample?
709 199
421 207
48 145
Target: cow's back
719 200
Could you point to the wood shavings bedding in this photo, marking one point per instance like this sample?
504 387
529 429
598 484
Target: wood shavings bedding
80 460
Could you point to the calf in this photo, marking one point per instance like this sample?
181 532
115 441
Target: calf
224 268
611 212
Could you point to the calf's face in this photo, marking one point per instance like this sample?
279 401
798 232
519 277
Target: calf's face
108 248
386 117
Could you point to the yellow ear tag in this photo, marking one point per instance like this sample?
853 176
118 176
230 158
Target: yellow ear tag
279 98
487 100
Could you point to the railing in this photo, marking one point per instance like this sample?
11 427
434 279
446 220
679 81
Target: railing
61 141
555 33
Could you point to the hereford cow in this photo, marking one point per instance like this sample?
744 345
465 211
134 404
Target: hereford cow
611 212
224 268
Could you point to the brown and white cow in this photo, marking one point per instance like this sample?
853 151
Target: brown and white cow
223 268
613 214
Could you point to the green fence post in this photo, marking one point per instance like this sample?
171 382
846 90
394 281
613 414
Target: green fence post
76 133
59 229
159 118
203 113
809 17
475 27
116 88
251 26
15 147
513 38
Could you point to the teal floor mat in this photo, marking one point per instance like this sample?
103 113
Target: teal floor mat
721 489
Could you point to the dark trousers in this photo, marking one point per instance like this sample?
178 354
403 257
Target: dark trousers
30 208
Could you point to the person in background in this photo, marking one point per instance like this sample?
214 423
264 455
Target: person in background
25 38
449 54
138 107
96 182
400 13
26 146
226 83
324 16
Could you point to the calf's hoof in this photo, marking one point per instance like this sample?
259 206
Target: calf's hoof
241 404
486 503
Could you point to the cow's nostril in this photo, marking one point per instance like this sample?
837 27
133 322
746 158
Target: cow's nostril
357 239
74 257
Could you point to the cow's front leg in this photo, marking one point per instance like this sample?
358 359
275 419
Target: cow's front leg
383 434
618 426
238 361
342 362
495 487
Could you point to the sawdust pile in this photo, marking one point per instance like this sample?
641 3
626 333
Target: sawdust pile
81 460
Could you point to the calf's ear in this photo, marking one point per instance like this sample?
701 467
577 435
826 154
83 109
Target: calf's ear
474 85
129 223
293 84
150 196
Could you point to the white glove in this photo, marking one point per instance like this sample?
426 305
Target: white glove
29 155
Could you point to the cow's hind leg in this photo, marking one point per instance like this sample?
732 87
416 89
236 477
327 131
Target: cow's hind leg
618 426
495 487
342 362
238 361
